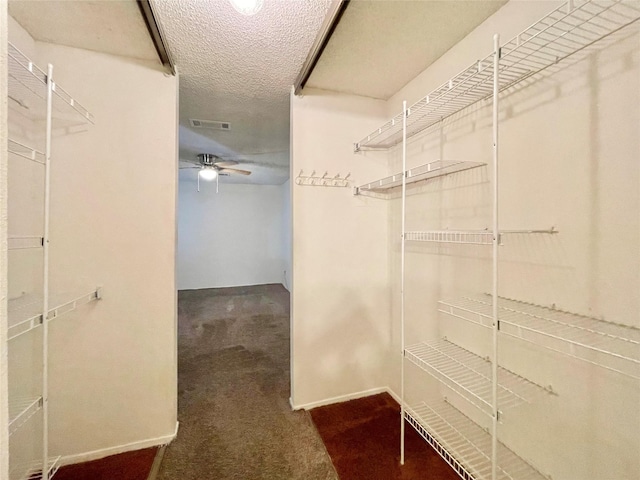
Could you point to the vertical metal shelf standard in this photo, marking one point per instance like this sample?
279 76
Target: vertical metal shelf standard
494 237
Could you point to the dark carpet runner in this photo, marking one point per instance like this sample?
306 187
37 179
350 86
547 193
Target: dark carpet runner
134 465
363 440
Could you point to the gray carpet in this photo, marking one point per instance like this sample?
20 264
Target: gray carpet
233 392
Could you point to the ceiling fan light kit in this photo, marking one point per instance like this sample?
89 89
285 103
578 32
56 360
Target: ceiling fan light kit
208 174
212 167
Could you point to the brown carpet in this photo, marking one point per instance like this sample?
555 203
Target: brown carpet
233 392
134 465
363 439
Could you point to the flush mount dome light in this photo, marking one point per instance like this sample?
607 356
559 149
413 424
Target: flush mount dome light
208 174
247 7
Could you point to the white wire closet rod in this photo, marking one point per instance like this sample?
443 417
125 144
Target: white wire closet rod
25 312
566 30
25 151
427 171
28 82
608 345
474 237
21 410
33 470
24 242
465 445
469 375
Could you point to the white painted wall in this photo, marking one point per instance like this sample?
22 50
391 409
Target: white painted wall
4 409
231 238
113 372
340 297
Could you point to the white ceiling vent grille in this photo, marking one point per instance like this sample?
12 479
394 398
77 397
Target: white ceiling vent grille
210 124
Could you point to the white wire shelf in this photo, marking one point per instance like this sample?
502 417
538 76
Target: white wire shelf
25 312
555 37
25 151
33 470
465 445
429 170
21 243
21 410
608 345
28 88
470 375
473 237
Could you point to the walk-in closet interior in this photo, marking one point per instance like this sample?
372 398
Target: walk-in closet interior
500 203
473 248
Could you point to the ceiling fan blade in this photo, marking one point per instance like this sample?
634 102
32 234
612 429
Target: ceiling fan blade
226 163
186 168
234 170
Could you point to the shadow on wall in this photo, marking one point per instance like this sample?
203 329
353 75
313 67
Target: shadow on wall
358 336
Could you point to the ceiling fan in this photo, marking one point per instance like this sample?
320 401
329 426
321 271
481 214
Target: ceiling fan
211 167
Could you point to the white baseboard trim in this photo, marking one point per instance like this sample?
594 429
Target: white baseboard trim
395 396
155 468
105 452
342 398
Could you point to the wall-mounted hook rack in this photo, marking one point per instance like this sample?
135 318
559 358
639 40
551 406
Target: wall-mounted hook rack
325 180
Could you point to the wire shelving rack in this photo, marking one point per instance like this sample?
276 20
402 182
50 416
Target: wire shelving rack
464 444
34 96
33 470
470 375
21 410
566 30
24 242
25 313
473 452
477 237
25 151
28 88
420 173
609 345
473 237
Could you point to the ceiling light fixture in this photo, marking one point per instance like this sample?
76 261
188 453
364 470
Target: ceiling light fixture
247 7
208 174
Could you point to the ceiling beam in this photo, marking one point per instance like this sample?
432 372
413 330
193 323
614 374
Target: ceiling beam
155 33
330 23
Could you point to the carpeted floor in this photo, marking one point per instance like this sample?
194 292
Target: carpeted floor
363 438
234 413
233 399
125 466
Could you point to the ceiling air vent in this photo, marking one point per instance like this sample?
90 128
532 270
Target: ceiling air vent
210 124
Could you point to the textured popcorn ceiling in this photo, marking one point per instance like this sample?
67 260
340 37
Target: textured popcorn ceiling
239 69
107 26
379 46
